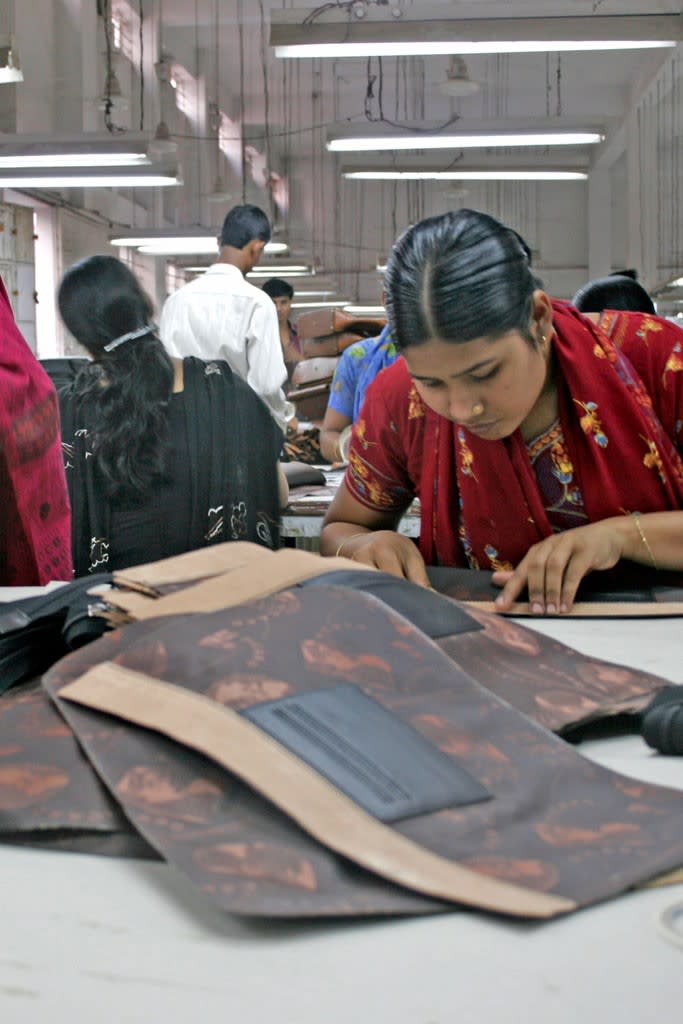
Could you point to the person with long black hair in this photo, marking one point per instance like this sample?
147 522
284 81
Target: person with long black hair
540 446
162 455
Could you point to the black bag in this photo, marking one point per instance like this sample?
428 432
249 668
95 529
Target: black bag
37 631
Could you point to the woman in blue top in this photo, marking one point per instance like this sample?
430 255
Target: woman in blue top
357 368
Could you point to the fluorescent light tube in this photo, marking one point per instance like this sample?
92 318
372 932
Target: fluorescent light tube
678 283
359 144
365 310
48 179
157 244
484 175
286 268
443 48
319 305
52 160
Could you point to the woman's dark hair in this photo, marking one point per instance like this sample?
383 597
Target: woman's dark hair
245 224
618 291
276 288
457 277
128 388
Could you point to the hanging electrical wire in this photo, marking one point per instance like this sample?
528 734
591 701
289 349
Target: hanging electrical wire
141 65
104 11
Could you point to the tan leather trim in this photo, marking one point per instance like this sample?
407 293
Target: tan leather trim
193 565
265 576
314 803
670 878
595 610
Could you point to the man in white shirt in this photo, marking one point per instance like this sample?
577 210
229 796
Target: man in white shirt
220 315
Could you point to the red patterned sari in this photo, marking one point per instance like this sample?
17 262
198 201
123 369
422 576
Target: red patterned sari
35 532
484 503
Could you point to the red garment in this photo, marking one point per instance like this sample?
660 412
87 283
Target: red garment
35 529
481 503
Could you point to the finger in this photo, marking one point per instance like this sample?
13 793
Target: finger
513 588
388 559
555 572
414 566
575 572
536 578
500 577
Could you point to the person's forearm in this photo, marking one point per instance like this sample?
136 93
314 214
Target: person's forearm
654 539
329 445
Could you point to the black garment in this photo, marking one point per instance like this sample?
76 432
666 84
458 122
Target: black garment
221 484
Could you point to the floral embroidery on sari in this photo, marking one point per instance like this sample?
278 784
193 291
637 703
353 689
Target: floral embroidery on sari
466 456
591 424
416 409
497 564
674 363
652 459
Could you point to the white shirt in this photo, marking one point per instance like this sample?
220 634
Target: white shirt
220 315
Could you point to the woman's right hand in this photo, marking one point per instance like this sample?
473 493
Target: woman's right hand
390 552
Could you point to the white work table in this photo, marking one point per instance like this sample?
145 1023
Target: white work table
109 940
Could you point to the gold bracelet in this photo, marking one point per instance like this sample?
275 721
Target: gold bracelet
636 518
346 541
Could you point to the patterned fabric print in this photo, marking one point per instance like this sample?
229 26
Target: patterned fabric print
372 488
674 364
357 368
590 423
496 563
652 459
555 475
466 456
648 326
556 822
416 408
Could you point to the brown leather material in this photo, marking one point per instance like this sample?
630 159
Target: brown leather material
314 371
543 678
311 402
321 322
46 783
557 824
315 804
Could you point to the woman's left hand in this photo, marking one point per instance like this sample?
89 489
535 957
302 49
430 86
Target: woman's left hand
552 569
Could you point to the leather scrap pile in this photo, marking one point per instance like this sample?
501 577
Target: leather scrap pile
325 334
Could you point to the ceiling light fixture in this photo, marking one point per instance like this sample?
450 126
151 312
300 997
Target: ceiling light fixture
10 68
426 33
177 243
61 179
283 270
484 174
338 304
43 152
365 310
474 139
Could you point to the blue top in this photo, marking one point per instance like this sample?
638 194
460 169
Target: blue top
357 368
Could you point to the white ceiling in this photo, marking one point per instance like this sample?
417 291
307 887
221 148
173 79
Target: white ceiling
344 227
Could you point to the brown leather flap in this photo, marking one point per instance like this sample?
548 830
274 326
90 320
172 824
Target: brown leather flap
315 804
314 371
312 391
318 323
330 344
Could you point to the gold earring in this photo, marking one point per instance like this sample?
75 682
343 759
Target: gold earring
477 409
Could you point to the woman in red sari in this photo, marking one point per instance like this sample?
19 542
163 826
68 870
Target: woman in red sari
35 525
540 445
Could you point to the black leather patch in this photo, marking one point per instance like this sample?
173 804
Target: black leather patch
379 761
434 614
